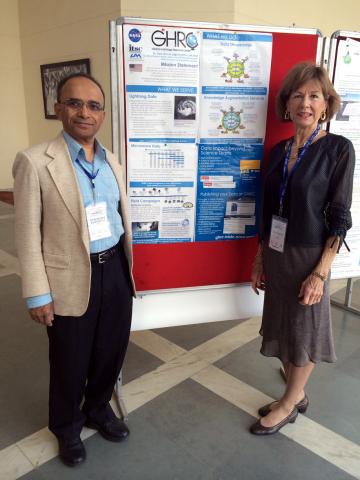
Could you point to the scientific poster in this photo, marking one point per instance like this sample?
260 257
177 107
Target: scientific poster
196 105
228 188
347 123
234 77
162 86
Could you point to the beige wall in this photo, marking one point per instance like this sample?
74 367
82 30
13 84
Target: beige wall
197 10
54 31
327 16
35 32
13 128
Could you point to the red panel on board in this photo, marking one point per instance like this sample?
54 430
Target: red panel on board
181 265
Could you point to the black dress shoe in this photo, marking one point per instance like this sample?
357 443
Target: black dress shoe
114 430
72 453
258 429
301 406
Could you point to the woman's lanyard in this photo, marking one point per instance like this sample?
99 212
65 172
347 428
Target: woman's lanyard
91 176
285 174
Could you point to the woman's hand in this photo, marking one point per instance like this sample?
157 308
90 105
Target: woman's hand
311 291
257 277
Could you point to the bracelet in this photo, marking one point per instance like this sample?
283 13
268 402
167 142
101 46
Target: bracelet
319 275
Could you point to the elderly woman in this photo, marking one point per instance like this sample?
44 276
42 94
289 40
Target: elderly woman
306 214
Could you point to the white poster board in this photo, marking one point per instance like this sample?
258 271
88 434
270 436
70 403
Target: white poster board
346 78
196 106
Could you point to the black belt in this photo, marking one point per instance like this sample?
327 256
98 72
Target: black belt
105 256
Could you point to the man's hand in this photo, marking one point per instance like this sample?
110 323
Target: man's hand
43 314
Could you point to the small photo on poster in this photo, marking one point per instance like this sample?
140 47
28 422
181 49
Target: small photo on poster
145 231
184 108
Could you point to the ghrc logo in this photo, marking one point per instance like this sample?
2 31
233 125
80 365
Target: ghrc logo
135 35
176 39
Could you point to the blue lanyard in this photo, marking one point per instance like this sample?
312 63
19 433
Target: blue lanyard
285 174
91 176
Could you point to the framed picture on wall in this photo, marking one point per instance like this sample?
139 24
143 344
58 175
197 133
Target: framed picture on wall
52 73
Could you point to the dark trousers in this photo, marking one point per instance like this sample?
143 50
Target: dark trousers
86 353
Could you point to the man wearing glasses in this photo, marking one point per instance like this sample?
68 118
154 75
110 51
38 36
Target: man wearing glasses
74 244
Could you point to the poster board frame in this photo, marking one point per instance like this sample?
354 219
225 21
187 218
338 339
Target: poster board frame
165 305
331 61
119 134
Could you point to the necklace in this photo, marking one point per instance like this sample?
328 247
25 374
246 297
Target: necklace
295 148
302 144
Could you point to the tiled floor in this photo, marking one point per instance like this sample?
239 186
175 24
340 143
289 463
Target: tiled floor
191 393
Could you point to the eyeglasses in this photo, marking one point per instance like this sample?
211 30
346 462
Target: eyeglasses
77 104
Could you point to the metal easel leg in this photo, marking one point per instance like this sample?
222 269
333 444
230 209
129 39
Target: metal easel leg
119 398
349 291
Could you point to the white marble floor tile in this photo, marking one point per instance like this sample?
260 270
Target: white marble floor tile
149 386
327 444
42 446
156 345
13 463
39 447
225 343
152 384
232 389
6 216
321 441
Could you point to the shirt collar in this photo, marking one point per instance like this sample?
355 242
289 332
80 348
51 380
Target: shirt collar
77 151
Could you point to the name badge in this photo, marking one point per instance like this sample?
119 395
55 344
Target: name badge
278 233
97 220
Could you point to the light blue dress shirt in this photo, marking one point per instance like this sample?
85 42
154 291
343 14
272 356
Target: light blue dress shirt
106 190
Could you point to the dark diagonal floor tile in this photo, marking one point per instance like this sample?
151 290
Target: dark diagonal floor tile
146 455
334 389
190 433
137 363
190 336
7 236
24 367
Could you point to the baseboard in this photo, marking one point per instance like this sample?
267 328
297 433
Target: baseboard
7 197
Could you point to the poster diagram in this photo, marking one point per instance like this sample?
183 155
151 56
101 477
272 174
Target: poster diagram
196 104
227 191
162 191
235 72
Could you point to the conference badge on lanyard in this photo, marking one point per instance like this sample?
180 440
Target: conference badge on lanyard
279 223
96 213
97 220
278 233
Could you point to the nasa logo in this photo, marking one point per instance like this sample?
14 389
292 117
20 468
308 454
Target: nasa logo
135 35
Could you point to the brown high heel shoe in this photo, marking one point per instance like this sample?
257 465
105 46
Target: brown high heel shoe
301 406
258 429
